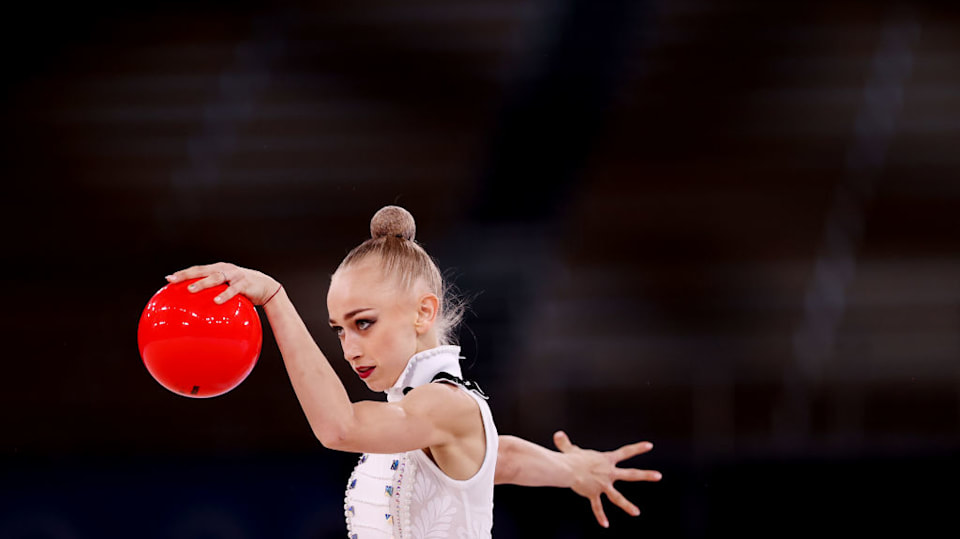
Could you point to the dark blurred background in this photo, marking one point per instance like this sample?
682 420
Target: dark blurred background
729 228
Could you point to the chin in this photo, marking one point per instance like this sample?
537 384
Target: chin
376 386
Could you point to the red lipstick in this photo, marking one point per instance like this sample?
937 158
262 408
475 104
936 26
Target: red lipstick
365 371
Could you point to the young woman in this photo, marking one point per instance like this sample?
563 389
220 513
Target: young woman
431 453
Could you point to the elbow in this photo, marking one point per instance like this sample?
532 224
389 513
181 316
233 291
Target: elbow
336 433
333 438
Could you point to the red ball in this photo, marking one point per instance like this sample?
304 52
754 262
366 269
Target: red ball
195 347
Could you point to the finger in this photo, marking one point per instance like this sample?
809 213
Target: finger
632 474
193 272
622 502
631 450
598 511
215 278
562 441
228 293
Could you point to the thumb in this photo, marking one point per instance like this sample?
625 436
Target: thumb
562 442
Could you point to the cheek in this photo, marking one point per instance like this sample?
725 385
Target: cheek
399 341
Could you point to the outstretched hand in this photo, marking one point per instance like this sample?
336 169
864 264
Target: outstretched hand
256 286
596 471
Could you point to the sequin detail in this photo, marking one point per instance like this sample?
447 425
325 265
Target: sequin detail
371 495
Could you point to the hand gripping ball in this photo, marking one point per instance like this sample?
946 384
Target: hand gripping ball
195 347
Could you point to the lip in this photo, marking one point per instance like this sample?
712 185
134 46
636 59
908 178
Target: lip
364 372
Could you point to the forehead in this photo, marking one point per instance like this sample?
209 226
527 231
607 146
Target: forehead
360 285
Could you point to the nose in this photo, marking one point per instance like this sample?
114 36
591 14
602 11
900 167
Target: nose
351 348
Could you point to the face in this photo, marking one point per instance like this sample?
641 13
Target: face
376 321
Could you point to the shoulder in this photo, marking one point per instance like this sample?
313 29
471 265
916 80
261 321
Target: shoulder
445 403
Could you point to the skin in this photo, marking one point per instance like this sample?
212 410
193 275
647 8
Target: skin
380 326
587 472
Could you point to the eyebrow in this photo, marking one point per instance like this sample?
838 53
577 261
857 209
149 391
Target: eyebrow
352 313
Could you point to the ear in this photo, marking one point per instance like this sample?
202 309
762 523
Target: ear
427 309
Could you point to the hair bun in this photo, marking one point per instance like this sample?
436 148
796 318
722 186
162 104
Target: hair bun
393 221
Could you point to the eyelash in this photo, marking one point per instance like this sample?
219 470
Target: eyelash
362 324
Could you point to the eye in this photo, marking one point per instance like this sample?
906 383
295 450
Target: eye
364 324
337 330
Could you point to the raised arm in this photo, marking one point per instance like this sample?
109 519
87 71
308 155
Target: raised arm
427 417
587 472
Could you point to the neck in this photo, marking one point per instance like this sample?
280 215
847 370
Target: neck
427 341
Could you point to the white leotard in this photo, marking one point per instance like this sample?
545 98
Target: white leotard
405 495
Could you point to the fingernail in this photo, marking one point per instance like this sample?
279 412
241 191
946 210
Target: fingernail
170 278
658 476
636 512
192 287
218 299
606 524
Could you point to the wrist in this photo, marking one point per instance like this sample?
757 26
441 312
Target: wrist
277 290
568 477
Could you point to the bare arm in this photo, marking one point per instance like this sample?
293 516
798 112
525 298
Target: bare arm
322 396
427 417
587 472
527 464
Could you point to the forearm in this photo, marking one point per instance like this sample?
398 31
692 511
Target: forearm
318 388
524 463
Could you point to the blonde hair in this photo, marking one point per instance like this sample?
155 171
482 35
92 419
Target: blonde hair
392 233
